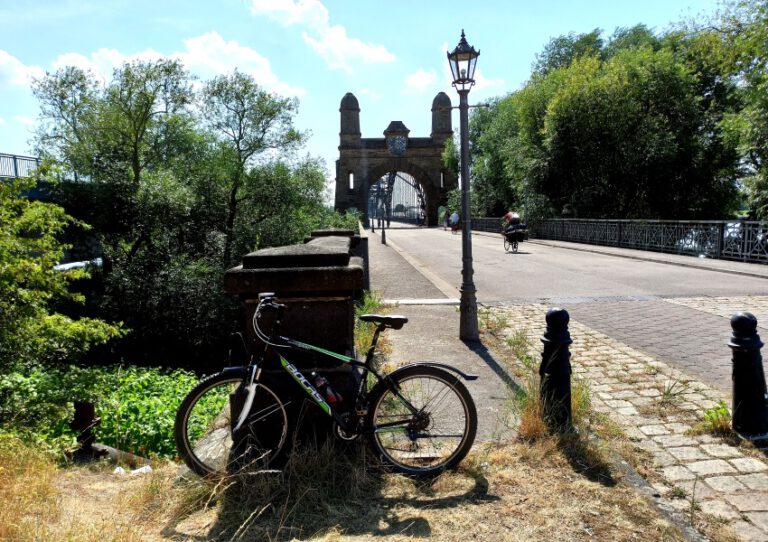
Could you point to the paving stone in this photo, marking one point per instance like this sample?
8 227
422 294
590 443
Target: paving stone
653 430
662 458
725 484
748 464
749 502
759 520
678 428
712 466
718 508
703 491
627 411
688 453
677 473
747 531
722 451
634 433
618 403
675 440
758 482
625 394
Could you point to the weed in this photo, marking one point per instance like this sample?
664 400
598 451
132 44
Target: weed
678 493
694 504
520 344
492 322
671 392
717 420
371 303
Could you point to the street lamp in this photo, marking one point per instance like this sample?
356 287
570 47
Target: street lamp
462 61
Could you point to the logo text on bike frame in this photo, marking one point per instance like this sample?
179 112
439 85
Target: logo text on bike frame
304 383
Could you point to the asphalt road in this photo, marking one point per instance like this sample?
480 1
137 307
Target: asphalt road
550 274
621 297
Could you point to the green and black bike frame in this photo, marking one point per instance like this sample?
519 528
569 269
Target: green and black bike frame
278 343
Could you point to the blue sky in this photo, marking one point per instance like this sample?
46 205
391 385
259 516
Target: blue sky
391 55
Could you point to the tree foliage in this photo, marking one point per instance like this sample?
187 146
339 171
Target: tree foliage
177 186
31 329
629 127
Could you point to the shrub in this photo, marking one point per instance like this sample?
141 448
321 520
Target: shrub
137 405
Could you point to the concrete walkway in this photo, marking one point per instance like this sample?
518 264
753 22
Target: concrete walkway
432 334
653 366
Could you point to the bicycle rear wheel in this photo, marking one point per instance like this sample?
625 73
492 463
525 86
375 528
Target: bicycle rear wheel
204 422
441 432
514 246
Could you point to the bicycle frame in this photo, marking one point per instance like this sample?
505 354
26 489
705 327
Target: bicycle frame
276 342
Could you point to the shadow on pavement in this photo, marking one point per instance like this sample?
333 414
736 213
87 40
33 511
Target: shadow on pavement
485 354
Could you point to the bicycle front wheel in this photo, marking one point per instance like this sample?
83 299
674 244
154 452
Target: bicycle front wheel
436 435
506 245
204 423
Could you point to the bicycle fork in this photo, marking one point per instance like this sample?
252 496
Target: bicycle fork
250 389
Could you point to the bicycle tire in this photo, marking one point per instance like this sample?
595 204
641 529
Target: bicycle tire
421 448
506 245
203 428
514 246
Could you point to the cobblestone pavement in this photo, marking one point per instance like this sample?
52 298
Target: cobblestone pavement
660 409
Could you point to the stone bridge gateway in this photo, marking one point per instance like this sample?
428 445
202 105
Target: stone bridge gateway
364 161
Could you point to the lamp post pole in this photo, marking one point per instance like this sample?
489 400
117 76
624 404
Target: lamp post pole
462 61
468 330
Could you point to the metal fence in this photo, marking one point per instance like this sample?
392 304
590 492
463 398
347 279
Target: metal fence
729 240
17 166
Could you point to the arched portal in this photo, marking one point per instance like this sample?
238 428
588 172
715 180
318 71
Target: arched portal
397 196
363 162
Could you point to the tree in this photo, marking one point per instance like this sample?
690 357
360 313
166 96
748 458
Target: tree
248 122
177 186
744 26
622 134
562 50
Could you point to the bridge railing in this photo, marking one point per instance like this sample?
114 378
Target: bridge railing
12 165
739 240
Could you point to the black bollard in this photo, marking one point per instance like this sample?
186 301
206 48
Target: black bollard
555 372
373 225
383 235
750 413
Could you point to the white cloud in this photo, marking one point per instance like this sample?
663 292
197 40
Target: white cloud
419 81
206 56
210 55
2 121
13 72
332 43
26 121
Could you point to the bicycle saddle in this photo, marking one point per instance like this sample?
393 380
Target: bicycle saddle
394 321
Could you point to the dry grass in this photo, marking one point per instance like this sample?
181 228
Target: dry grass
512 492
27 491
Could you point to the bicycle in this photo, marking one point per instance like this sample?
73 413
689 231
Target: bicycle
419 419
509 245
